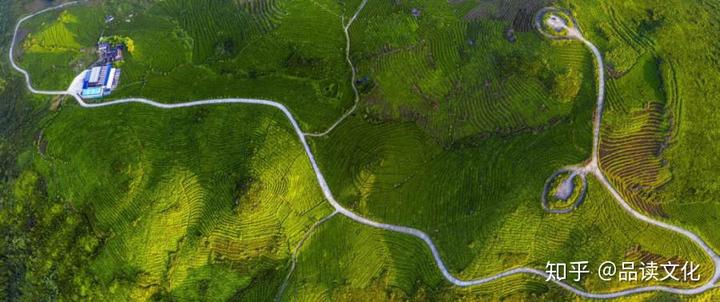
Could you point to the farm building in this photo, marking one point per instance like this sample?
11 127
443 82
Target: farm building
109 53
100 81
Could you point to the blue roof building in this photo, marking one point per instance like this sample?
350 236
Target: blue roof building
100 81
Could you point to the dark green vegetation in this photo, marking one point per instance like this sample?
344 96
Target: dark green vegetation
459 125
458 78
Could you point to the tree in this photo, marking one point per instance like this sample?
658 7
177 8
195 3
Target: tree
118 40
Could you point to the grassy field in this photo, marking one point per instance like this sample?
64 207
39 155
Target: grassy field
465 111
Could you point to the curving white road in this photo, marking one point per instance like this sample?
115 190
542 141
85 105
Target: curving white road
591 168
353 77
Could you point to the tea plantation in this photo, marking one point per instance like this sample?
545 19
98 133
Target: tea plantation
464 110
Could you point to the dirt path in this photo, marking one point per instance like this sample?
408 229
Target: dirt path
353 78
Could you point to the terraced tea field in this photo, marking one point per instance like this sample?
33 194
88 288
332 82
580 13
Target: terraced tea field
186 50
176 189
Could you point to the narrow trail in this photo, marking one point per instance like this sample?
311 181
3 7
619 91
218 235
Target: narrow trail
293 261
353 78
591 168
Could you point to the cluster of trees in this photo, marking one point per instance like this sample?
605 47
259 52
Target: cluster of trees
45 244
120 40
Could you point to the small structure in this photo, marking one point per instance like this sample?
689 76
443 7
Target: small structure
510 35
100 81
109 53
415 12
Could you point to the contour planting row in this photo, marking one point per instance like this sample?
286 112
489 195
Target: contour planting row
340 256
212 25
494 111
621 27
267 12
59 46
614 100
142 185
273 200
512 288
631 157
672 93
